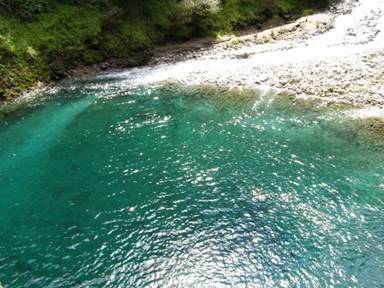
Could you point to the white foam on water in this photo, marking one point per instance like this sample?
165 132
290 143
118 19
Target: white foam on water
367 112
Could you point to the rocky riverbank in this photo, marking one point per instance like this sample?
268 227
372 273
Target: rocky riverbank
336 56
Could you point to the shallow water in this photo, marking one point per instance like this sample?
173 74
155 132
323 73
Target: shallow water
187 188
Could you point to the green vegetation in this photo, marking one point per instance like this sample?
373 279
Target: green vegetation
43 39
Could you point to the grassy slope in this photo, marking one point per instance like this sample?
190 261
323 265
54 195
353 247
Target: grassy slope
28 50
68 35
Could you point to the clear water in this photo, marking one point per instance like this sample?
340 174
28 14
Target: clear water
178 188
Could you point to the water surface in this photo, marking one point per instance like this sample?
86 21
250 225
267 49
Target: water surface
187 188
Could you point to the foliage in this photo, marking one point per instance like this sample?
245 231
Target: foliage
25 8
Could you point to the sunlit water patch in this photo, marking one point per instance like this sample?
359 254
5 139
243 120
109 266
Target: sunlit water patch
187 188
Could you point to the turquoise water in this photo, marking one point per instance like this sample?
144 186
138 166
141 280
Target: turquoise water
186 188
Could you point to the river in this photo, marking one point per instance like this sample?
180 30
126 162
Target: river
122 180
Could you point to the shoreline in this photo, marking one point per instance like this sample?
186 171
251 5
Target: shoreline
281 59
318 56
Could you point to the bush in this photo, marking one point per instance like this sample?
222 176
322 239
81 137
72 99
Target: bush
6 50
200 7
26 9
193 18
